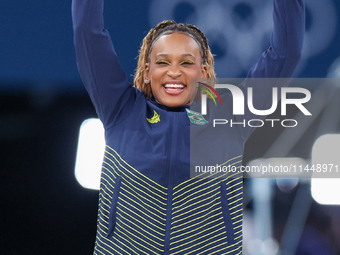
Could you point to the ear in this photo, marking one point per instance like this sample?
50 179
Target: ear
146 74
204 71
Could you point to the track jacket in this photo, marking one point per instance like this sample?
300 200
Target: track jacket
148 204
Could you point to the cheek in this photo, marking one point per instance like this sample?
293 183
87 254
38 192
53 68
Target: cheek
195 73
156 77
156 74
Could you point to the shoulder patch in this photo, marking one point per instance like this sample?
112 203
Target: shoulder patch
196 118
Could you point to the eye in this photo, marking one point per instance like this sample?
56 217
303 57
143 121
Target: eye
187 62
162 62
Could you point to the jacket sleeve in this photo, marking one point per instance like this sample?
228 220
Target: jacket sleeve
107 84
282 57
278 61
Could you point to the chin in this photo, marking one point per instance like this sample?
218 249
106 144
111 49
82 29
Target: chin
174 104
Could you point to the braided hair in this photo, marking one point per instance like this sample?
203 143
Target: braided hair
165 28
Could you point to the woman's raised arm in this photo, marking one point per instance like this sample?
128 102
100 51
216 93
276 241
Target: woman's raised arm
282 57
279 60
98 65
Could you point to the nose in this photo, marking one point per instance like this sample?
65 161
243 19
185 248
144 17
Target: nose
174 72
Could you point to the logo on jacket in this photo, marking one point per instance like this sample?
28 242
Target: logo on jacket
155 119
196 118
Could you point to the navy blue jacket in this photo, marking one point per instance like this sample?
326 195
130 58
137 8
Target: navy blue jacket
148 204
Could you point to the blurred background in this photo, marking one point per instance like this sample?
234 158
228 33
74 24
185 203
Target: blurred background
43 208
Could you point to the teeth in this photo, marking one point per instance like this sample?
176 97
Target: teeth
174 86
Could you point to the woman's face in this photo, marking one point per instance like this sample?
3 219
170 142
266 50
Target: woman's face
174 59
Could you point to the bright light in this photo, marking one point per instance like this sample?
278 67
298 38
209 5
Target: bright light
90 153
326 153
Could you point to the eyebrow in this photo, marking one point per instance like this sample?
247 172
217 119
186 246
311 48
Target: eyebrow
183 55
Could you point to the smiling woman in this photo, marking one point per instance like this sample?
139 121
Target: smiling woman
179 52
173 61
148 202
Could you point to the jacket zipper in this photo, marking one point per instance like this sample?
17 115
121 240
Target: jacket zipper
171 169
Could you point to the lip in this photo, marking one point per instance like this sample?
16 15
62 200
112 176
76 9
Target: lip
175 91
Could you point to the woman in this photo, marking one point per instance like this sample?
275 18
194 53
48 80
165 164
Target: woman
148 203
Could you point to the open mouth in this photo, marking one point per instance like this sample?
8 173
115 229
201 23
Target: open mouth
174 89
